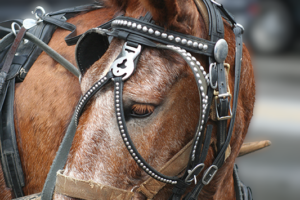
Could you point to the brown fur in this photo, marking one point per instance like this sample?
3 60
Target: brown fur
162 80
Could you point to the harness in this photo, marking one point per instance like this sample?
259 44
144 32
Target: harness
212 88
18 51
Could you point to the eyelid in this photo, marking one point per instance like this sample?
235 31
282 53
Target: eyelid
142 110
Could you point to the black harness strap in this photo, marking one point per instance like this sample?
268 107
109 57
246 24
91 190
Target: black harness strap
11 164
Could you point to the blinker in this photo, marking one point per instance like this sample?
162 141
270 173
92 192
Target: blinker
221 50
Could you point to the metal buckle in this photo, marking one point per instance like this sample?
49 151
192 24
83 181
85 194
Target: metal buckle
210 76
191 173
35 12
227 95
240 26
209 174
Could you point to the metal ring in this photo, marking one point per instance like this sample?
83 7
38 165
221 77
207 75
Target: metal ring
13 27
38 8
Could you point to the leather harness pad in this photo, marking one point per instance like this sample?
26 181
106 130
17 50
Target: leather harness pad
90 48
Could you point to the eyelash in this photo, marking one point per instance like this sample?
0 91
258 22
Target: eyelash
142 110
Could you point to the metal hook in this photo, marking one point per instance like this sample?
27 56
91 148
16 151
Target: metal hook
35 12
13 27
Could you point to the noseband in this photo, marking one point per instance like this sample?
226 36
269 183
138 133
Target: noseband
212 86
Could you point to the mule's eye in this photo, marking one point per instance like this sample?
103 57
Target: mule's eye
141 110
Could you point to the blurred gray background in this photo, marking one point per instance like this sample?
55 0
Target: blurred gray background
272 35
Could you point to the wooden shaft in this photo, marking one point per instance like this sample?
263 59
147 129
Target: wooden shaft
253 146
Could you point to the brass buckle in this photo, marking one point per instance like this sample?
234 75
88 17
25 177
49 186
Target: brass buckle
227 95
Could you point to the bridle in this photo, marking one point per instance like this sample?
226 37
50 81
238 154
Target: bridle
212 87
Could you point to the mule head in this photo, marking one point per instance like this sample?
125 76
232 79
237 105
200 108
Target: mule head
161 106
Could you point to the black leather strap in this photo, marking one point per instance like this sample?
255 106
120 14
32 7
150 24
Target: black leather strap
10 160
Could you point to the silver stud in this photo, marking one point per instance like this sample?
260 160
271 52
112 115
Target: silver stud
125 23
200 46
119 118
129 147
118 114
136 158
147 170
133 25
193 58
198 75
205 47
192 63
117 100
189 43
188 58
201 67
195 69
177 39
124 135
120 122
117 83
122 131
141 164
138 161
145 29
164 35
117 96
129 24
195 44
150 31
117 88
157 33
139 27
201 88
183 41
133 154
117 105
171 37
127 143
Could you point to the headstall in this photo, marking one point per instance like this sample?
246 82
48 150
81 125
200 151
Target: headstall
212 86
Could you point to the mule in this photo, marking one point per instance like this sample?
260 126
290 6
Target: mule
160 102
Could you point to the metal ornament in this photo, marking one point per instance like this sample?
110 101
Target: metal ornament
124 66
29 23
221 50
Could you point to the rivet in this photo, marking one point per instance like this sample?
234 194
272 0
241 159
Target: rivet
124 135
117 96
157 33
117 105
205 47
133 154
188 58
164 35
192 63
145 29
129 147
117 83
117 88
136 158
201 67
119 118
198 75
122 131
127 143
193 58
177 39
147 170
183 41
129 24
195 69
151 31
139 27
125 23
189 43
198 63
133 25
117 92
200 46
171 37
195 44
117 100
119 114
201 88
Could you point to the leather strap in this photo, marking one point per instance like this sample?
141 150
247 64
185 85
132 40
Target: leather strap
10 56
10 159
81 189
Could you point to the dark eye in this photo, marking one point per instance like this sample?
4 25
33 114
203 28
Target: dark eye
141 110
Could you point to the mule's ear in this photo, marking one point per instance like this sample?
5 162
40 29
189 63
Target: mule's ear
179 14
